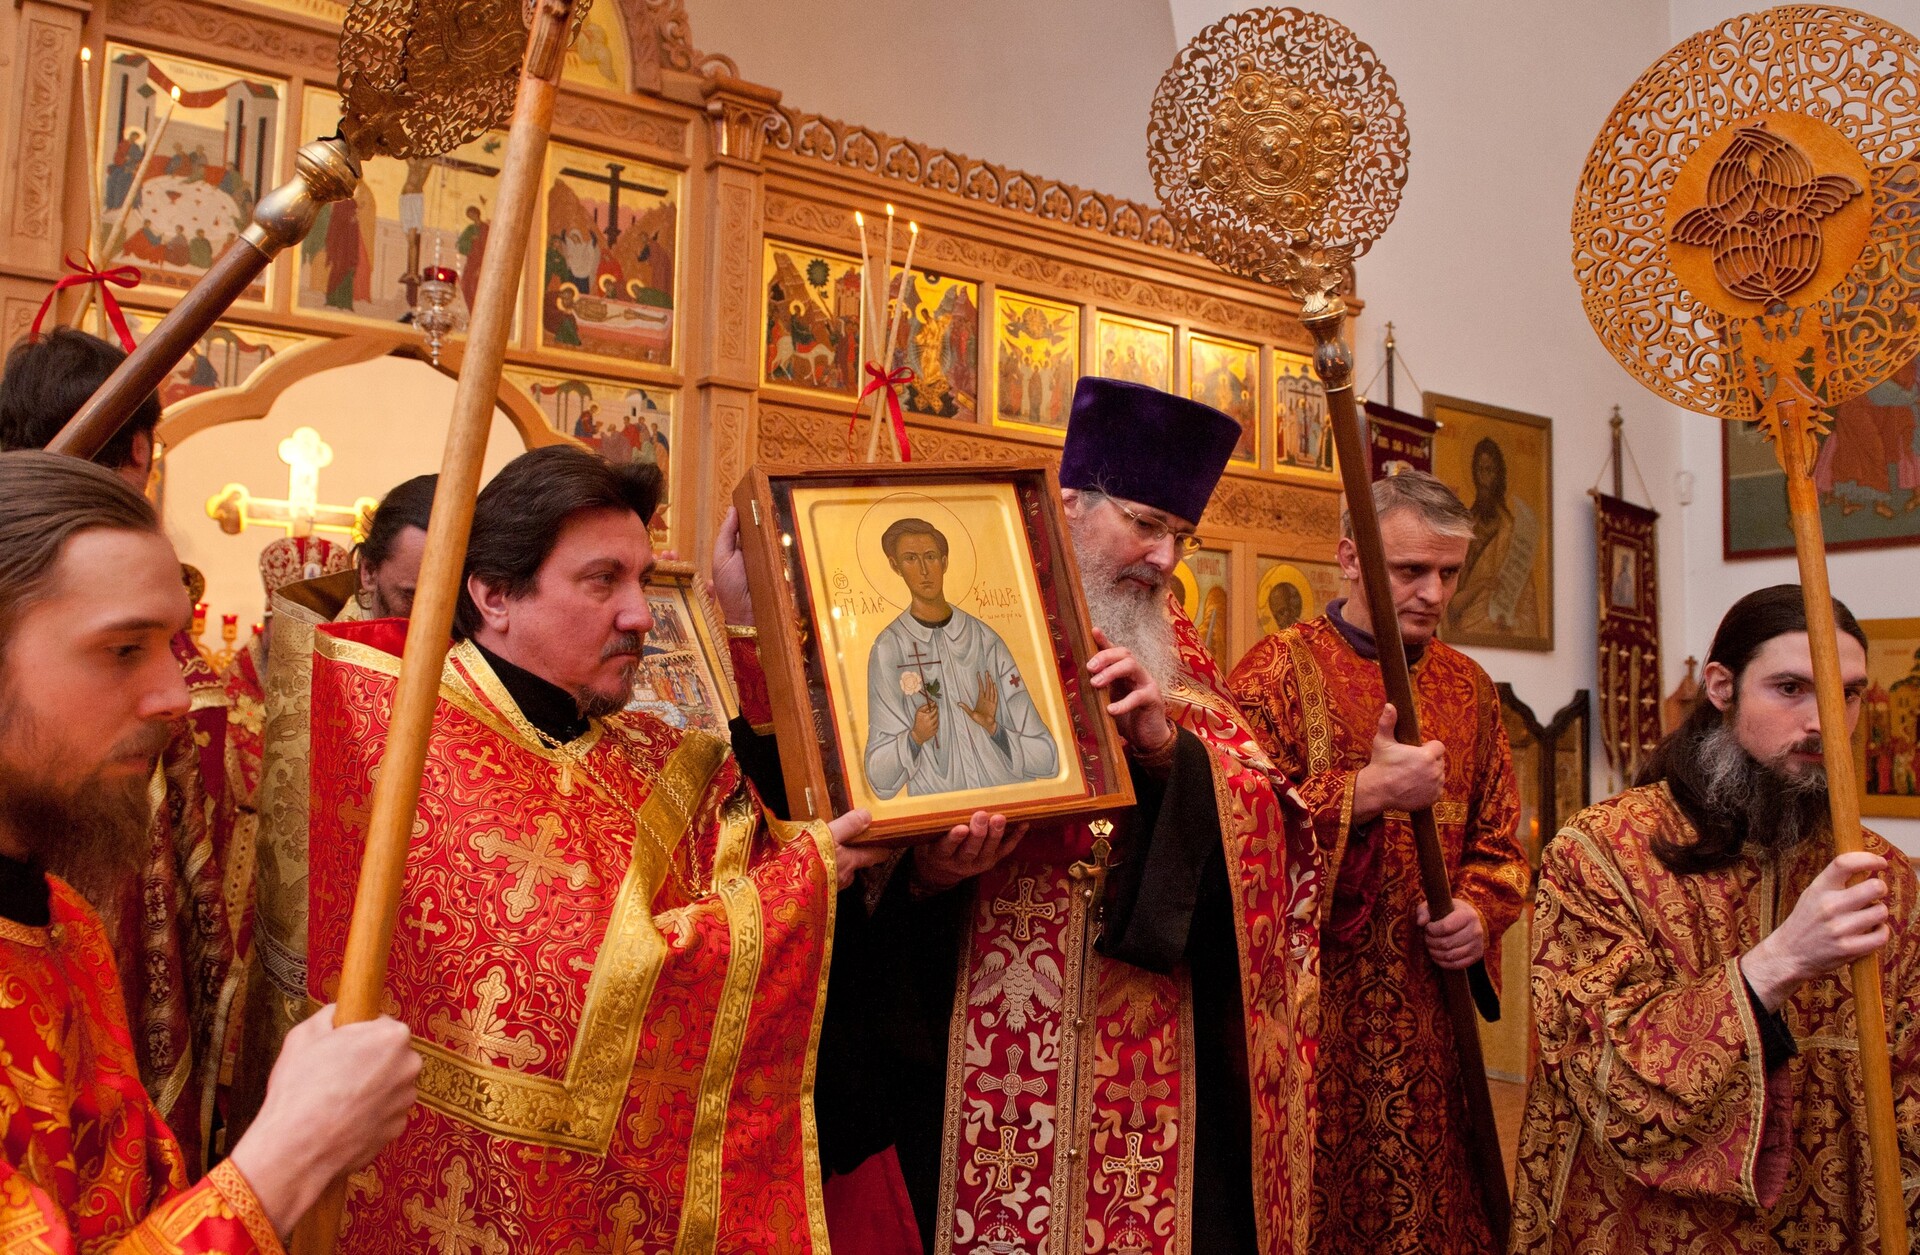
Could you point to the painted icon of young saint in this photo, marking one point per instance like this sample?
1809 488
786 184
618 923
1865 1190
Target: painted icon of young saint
946 705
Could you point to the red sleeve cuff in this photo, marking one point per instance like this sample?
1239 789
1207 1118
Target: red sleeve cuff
750 681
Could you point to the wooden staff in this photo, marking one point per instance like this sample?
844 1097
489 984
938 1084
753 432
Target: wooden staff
1794 446
323 171
396 795
1324 316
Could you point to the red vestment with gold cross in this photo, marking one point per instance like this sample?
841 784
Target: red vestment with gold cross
613 965
1392 1172
88 1164
1070 1103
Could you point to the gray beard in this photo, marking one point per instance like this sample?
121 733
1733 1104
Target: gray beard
1778 808
1130 615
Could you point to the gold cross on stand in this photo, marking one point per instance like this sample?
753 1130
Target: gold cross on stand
1132 1165
300 512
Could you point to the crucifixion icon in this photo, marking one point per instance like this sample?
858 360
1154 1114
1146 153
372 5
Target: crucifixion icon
300 512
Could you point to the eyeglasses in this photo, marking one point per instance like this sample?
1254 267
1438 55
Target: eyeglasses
1153 531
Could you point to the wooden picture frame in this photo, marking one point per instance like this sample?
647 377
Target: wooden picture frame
823 550
1505 595
1886 743
686 670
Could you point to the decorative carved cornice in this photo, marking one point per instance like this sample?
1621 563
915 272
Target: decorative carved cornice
606 121
229 31
1115 288
942 170
1266 506
741 113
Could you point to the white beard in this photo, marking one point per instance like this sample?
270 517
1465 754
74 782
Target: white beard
1130 615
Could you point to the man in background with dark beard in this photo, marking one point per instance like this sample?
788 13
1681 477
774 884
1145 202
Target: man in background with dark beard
1122 1062
1697 1079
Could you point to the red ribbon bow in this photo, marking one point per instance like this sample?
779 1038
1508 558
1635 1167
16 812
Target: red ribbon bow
84 271
892 381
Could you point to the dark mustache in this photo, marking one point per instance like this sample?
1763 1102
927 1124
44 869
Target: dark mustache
623 643
1140 571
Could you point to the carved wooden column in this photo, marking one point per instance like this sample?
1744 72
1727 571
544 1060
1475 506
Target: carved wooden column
39 125
726 359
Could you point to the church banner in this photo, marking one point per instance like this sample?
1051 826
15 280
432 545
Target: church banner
1398 441
1629 633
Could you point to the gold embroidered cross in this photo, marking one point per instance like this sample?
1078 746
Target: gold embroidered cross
300 512
657 1074
536 863
1132 1165
481 760
1012 1085
1002 1162
1138 1091
450 1222
1024 909
481 1033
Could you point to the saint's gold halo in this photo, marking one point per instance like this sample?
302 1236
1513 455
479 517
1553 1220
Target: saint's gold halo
1278 145
962 562
1761 180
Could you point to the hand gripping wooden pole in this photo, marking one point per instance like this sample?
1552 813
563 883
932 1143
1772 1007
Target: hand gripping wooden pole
1324 316
1794 445
324 171
397 790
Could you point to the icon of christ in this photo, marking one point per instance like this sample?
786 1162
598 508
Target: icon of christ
946 706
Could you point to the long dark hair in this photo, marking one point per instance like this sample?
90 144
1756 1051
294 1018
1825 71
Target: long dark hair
518 516
1749 624
1487 501
409 504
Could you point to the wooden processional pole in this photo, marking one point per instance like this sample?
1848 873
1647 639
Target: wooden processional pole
1795 446
397 788
1325 318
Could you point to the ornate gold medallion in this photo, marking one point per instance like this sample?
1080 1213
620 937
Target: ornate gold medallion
1275 150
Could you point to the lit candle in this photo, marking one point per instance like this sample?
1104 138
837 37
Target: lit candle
866 272
893 324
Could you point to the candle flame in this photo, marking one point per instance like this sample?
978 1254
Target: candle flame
859 219
175 93
914 227
86 55
889 211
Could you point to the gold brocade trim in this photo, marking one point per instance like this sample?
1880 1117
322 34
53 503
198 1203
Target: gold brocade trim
238 1193
700 1205
467 672
25 934
167 1095
1756 1079
580 1112
206 697
1822 1041
1318 725
809 1130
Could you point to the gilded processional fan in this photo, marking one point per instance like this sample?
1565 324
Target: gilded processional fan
1278 145
1747 241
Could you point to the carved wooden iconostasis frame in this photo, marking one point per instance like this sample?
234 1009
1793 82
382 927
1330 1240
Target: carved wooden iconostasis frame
746 172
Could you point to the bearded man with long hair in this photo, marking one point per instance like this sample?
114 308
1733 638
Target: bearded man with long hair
1697 1083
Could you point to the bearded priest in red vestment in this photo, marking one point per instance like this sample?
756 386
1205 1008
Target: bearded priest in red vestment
1392 1171
169 926
1124 1060
89 596
1697 1086
613 959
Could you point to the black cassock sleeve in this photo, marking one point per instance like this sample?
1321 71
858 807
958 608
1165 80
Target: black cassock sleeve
1160 861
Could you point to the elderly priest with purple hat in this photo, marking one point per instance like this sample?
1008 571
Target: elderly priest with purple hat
1069 1031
